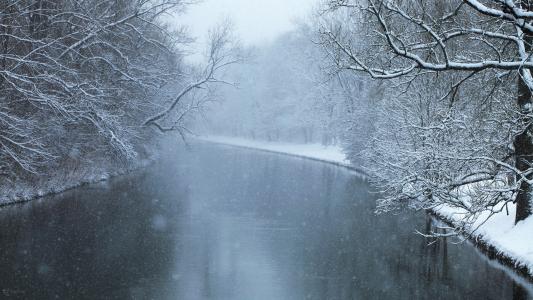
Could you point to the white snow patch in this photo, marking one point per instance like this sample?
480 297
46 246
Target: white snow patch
513 241
332 154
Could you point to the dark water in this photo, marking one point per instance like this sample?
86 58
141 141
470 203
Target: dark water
223 223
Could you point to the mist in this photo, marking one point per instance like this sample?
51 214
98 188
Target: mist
239 149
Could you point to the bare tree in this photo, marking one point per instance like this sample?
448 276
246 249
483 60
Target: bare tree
221 53
76 74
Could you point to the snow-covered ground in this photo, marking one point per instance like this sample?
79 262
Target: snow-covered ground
65 178
510 240
513 242
332 154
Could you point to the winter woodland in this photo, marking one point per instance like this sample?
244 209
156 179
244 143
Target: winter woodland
432 98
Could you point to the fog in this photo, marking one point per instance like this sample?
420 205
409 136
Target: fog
298 149
256 22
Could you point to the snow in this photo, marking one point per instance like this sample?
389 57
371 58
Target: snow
499 231
65 179
331 154
512 241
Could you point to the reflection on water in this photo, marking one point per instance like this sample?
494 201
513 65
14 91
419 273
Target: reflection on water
221 223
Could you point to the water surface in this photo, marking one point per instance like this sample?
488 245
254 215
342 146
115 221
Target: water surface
224 223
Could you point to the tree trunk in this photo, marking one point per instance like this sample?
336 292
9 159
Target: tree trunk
524 156
523 144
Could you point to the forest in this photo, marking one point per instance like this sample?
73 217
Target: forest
435 105
432 99
86 85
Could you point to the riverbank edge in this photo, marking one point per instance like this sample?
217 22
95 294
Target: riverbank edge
491 251
360 172
103 176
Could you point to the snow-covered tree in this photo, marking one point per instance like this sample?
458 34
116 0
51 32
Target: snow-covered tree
80 79
462 120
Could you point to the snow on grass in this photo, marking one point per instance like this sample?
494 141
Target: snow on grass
332 154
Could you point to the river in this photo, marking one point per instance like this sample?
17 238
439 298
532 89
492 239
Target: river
217 222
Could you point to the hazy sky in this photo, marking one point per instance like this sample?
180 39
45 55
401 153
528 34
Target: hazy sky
256 21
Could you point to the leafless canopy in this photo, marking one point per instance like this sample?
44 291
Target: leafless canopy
461 134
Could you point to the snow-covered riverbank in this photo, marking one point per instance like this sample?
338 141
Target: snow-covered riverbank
499 235
65 178
512 244
332 154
